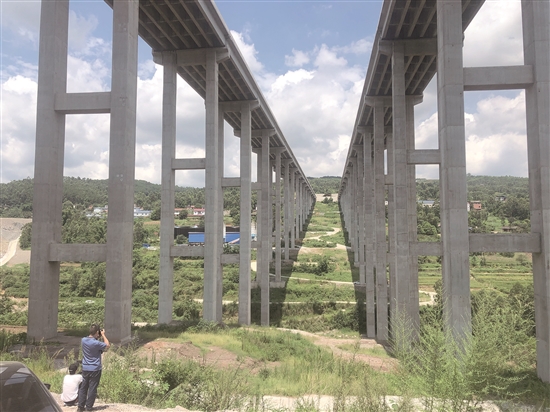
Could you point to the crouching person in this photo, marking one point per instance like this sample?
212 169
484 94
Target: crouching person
71 383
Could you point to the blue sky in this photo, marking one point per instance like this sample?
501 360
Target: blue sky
309 59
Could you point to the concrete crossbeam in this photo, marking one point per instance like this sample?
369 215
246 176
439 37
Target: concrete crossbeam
193 57
498 78
423 157
64 252
520 242
187 251
189 164
411 47
83 103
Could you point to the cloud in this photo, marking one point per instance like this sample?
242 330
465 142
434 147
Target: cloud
298 59
315 102
249 52
361 46
494 37
496 142
22 19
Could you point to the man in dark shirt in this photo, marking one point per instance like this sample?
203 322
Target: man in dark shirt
92 349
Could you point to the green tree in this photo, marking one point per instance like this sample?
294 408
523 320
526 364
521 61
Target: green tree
155 213
26 234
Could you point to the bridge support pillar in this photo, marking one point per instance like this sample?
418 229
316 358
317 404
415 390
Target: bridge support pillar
278 254
536 48
369 235
245 213
287 208
48 169
120 222
166 267
212 230
452 171
380 224
400 231
264 228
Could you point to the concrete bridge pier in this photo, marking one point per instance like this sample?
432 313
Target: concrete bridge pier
536 49
48 168
54 103
381 247
452 171
245 246
166 267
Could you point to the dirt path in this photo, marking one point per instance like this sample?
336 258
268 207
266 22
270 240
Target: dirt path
10 252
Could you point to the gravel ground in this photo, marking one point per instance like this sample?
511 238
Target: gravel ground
115 407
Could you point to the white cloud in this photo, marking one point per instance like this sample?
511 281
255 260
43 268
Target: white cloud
298 59
80 30
494 37
361 46
328 57
315 106
249 53
22 18
496 143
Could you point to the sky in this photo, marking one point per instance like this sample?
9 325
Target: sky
308 57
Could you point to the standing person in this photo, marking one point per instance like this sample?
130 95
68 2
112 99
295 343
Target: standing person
71 382
92 349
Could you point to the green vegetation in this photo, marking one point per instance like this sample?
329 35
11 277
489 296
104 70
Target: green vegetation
497 362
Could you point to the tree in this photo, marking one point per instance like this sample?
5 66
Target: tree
26 234
155 213
183 214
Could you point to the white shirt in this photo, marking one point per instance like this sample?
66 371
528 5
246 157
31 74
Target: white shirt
70 387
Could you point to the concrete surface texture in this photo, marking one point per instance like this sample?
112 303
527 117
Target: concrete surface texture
440 41
242 107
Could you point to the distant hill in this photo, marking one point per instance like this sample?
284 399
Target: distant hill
325 184
16 196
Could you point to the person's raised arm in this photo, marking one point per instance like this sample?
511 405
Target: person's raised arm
105 340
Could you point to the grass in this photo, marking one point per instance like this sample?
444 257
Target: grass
376 351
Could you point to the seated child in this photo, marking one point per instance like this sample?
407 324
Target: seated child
71 383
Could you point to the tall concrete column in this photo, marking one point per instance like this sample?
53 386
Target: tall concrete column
120 223
221 224
278 167
48 169
292 215
288 207
414 302
400 230
265 178
452 171
369 234
352 231
536 49
297 206
353 209
166 269
246 214
380 224
361 213
391 223
212 231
